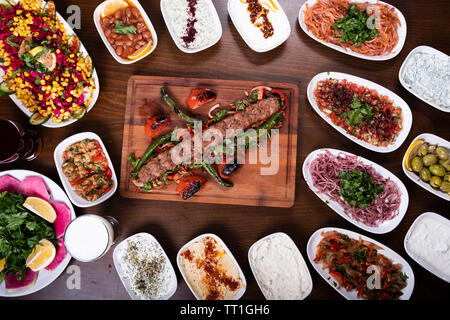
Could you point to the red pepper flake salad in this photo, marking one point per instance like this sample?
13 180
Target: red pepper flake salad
42 64
348 261
360 111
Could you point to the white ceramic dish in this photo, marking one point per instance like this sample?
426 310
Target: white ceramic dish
431 139
125 281
421 49
57 156
50 123
299 253
420 261
397 101
217 26
111 50
45 277
402 30
315 239
384 227
241 292
251 34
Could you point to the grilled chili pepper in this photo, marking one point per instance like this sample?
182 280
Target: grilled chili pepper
155 124
173 106
200 97
213 173
189 186
282 97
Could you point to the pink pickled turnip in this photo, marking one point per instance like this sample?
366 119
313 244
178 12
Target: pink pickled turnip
9 183
34 187
12 284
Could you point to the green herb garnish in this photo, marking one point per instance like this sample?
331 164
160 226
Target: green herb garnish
354 26
358 188
359 111
121 29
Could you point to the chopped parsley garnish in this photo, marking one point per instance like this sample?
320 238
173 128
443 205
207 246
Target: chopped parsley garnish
354 26
122 29
359 111
358 188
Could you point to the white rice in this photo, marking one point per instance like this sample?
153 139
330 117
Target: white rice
178 13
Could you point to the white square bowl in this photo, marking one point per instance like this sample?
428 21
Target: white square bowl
73 196
111 50
241 292
126 281
175 38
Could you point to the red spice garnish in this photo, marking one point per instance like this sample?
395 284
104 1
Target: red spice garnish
187 254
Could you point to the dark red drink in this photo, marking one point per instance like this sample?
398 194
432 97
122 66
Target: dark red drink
17 143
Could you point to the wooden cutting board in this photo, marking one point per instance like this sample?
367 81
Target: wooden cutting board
250 187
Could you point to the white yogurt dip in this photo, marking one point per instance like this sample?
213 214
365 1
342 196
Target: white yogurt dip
251 33
429 241
279 268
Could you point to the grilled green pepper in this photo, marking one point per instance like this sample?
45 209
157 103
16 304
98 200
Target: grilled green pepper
173 106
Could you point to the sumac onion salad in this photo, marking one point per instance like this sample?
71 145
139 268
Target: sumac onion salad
360 111
348 260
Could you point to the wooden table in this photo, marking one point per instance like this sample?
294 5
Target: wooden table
296 61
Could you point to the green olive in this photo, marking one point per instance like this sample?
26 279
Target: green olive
447 177
445 186
445 164
429 160
435 181
423 149
417 164
437 170
442 153
425 174
431 149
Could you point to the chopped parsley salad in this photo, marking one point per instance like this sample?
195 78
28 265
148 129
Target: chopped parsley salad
360 111
42 64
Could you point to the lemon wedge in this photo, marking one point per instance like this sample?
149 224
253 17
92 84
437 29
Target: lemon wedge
40 207
36 50
41 256
412 150
112 6
142 51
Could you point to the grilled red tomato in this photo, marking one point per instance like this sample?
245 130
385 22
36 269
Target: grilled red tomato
199 97
189 186
155 124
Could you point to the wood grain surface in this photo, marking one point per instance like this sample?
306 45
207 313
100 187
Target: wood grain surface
144 101
296 61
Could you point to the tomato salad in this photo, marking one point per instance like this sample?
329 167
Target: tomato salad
360 111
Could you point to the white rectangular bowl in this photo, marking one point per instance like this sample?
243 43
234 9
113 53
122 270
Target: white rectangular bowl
241 292
384 227
111 50
402 30
422 49
301 259
432 139
73 196
423 263
241 21
397 101
315 239
175 38
126 281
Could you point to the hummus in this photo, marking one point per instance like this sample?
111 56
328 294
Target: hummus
279 268
211 273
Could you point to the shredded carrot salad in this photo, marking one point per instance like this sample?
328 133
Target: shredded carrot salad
321 17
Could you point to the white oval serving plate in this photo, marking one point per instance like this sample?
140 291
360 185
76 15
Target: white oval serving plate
57 156
431 139
302 260
384 227
217 26
50 123
125 281
416 258
402 30
397 101
111 50
251 34
241 292
421 49
315 239
45 277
